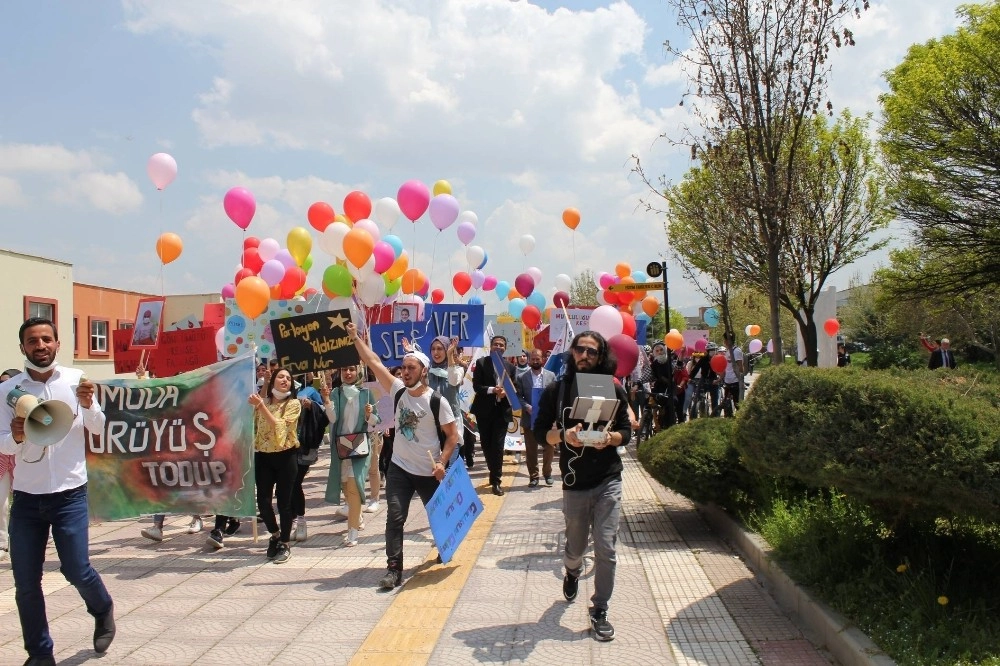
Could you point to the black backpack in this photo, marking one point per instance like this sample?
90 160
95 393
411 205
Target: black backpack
435 408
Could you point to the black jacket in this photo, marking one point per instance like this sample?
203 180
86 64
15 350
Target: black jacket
485 405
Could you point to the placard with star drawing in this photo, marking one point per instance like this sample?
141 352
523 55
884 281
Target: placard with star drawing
314 342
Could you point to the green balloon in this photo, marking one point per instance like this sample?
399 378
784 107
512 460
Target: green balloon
308 263
337 280
392 286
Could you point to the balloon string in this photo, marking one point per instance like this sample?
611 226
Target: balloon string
452 281
162 290
430 277
572 235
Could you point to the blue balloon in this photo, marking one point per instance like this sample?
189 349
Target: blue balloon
537 299
640 276
711 317
516 307
642 316
475 300
396 243
486 257
502 289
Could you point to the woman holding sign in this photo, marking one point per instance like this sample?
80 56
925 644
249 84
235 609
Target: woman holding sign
351 410
275 419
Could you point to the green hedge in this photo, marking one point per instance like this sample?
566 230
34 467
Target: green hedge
912 444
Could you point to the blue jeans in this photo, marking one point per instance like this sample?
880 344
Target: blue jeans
597 510
399 488
31 516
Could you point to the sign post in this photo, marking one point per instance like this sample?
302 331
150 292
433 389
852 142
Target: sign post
655 269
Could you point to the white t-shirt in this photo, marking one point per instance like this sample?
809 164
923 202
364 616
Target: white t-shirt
416 435
735 356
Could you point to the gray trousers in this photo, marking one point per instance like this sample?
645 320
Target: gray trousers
595 511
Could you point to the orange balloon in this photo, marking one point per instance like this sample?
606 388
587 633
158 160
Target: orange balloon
398 267
571 218
358 246
411 281
512 294
650 305
168 247
674 340
252 295
623 270
276 292
754 329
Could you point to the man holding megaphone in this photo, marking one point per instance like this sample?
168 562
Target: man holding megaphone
43 413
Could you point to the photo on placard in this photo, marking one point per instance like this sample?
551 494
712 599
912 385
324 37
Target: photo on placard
404 313
148 323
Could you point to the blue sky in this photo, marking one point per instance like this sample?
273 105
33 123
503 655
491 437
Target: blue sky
526 108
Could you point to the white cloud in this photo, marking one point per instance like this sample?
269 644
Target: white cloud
113 193
45 159
10 192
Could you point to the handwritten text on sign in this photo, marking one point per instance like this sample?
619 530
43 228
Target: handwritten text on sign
313 342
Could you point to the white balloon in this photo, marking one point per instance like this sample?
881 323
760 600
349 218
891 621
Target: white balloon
371 291
370 227
386 212
527 243
467 216
475 255
334 237
563 282
365 273
268 248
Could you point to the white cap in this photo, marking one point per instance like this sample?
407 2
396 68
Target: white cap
420 356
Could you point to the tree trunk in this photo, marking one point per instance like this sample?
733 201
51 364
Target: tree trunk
773 287
810 339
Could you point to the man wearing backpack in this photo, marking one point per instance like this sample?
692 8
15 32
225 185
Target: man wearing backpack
426 431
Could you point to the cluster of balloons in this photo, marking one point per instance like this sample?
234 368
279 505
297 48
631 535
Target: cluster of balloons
267 271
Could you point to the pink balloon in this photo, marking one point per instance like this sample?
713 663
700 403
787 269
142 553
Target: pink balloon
627 352
384 256
560 299
268 249
240 206
443 210
524 284
700 345
229 291
162 169
466 232
755 346
413 198
478 279
606 280
489 282
606 320
370 227
536 275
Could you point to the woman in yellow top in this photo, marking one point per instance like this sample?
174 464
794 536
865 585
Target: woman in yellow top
276 419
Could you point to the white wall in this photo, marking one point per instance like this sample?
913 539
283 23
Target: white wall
826 308
26 275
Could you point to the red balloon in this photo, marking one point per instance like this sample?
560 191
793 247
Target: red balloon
295 279
437 295
718 363
310 292
252 260
251 241
525 284
560 299
626 351
531 317
242 273
462 282
610 298
831 326
357 206
321 215
628 324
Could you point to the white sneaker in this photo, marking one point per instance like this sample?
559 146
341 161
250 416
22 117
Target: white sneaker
300 530
517 458
351 538
343 510
195 525
372 506
153 533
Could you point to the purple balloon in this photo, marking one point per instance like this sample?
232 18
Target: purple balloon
466 232
478 278
272 271
524 284
286 259
443 211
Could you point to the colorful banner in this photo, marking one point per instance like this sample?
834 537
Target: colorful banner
464 322
182 444
452 510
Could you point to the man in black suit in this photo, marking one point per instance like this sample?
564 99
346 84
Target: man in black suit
942 357
492 409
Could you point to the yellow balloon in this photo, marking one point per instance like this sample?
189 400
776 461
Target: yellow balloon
343 219
442 187
300 244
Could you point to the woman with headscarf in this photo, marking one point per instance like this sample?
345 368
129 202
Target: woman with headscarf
446 375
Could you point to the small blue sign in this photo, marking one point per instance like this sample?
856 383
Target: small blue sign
452 510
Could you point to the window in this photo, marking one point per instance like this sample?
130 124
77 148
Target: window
98 336
46 308
76 335
125 324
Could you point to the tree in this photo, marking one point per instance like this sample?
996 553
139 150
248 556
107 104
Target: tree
583 291
836 202
759 68
941 141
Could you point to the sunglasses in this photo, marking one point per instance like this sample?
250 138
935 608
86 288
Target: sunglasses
589 351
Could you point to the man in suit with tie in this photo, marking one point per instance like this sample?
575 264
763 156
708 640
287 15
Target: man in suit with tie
535 377
492 409
942 357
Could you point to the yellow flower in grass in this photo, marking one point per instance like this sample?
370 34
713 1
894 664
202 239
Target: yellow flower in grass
901 568
943 600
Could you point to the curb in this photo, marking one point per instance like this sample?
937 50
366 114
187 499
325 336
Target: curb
846 642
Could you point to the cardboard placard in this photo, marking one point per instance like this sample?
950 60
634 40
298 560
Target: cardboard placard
314 342
179 351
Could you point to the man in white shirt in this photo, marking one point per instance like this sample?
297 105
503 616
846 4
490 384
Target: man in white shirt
418 456
733 379
50 493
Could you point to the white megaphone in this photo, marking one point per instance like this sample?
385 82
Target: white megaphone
46 422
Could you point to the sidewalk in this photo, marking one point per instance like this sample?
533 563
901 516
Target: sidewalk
682 596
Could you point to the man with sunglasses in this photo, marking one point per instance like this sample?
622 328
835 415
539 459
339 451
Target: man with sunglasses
50 493
492 409
592 475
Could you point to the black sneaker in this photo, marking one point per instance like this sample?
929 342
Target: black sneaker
533 483
272 547
548 480
232 526
104 631
393 578
603 631
282 554
215 539
571 584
